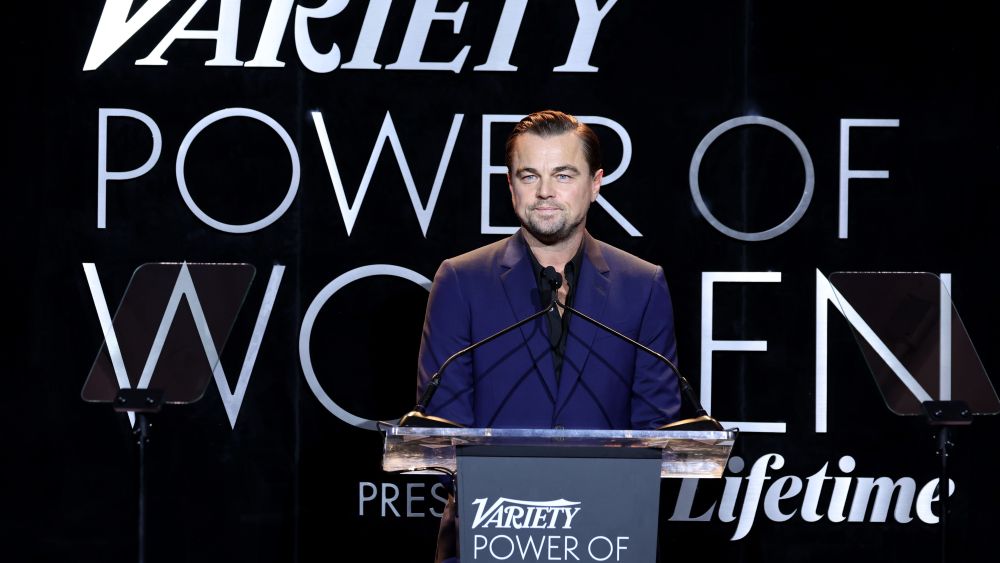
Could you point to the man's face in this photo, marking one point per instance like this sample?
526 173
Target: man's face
551 186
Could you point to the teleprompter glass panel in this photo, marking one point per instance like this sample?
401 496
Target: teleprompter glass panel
913 340
169 330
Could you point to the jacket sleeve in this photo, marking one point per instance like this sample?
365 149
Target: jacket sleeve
655 388
446 331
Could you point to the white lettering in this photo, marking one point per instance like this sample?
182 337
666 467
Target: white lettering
310 57
115 28
929 493
755 484
411 497
506 513
603 539
585 36
309 320
509 541
349 211
436 492
416 503
387 500
841 488
503 40
424 14
777 493
371 34
529 544
270 37
569 513
685 502
709 345
845 168
620 546
293 186
103 174
727 506
224 37
886 487
570 550
814 487
363 498
807 190
787 487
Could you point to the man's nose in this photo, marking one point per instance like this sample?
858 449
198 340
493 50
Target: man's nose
544 189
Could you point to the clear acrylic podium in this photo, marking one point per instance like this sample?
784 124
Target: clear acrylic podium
683 453
557 494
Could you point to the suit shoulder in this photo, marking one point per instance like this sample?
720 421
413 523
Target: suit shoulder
479 260
478 257
622 261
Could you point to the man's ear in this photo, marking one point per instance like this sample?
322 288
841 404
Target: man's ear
595 186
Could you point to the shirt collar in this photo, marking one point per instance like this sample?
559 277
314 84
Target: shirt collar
571 271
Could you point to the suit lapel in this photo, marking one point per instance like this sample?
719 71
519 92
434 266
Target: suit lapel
519 284
590 298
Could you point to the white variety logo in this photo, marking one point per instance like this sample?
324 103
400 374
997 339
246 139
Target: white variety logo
506 513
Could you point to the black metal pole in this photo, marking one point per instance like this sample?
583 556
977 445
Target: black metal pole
143 431
944 490
943 415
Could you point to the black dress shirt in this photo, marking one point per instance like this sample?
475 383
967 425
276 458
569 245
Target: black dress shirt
558 324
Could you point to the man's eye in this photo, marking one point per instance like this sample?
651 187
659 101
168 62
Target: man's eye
563 177
528 178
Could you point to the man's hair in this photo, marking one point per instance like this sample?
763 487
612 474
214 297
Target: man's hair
549 123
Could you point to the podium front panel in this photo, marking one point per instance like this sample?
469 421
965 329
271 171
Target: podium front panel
542 507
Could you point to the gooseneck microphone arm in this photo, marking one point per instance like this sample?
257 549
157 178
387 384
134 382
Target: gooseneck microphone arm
685 386
435 380
555 280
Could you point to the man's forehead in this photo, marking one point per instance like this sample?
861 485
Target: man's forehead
531 146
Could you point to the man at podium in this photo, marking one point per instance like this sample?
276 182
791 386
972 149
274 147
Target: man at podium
556 371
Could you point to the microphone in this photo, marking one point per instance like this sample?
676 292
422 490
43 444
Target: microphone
553 277
416 417
701 419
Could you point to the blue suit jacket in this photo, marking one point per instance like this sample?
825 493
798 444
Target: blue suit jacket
510 382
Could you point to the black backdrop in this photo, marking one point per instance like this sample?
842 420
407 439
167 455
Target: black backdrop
290 480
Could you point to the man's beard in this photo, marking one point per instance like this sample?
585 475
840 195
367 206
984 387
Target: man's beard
552 232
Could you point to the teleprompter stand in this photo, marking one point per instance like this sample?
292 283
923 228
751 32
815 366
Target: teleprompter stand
163 346
140 403
538 494
920 355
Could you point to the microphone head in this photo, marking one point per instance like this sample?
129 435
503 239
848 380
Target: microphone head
552 276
